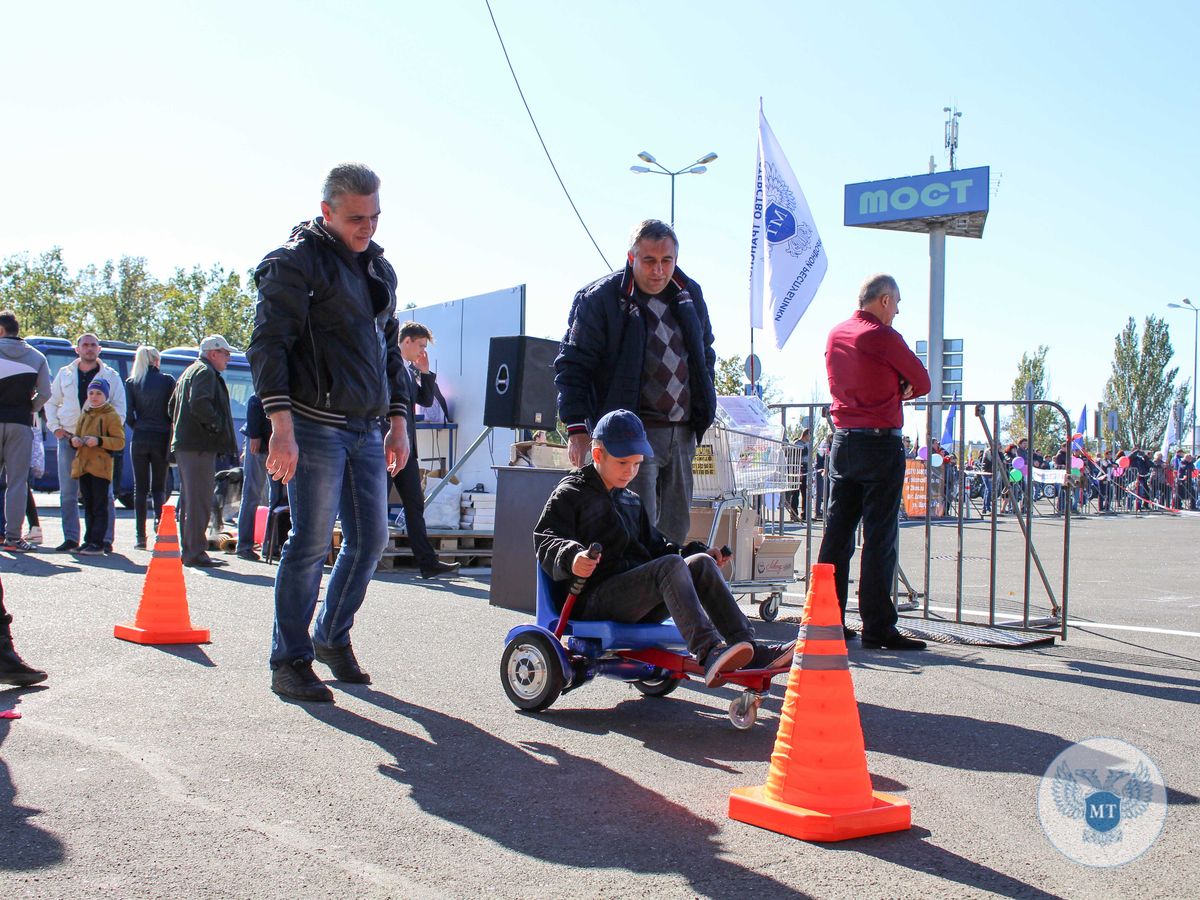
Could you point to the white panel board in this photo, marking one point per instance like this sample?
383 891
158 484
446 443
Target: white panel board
462 331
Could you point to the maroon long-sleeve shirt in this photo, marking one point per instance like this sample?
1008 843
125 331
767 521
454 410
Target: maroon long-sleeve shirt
865 361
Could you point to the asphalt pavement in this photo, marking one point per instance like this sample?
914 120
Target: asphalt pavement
174 771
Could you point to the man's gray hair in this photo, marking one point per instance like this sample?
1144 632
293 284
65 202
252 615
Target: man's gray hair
875 287
652 230
349 178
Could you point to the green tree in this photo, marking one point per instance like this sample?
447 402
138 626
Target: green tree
1141 388
200 302
119 301
41 293
1048 426
731 376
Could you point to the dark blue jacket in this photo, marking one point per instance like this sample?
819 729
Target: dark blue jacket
600 363
257 424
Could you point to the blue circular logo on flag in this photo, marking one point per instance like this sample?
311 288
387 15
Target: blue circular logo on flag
780 224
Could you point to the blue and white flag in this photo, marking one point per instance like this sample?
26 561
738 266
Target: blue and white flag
1080 430
948 432
785 249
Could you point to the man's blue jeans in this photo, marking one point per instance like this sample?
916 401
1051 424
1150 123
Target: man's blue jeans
68 489
254 482
340 472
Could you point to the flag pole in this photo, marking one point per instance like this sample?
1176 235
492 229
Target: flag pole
754 378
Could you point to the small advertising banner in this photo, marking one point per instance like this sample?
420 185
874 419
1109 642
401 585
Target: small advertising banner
916 476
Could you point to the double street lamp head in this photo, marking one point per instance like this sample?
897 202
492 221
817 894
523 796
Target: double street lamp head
699 167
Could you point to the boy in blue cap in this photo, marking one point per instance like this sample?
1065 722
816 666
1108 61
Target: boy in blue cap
640 576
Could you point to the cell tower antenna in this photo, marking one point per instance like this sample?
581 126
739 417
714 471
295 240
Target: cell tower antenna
952 117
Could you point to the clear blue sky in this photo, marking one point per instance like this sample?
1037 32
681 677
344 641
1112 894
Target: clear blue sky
200 133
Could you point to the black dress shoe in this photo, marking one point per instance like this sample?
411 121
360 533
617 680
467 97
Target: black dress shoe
342 663
205 562
296 680
249 555
849 633
893 642
439 568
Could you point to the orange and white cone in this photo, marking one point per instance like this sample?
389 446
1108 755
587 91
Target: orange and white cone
818 787
162 616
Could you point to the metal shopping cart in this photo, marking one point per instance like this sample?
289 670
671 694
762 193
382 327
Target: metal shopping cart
732 466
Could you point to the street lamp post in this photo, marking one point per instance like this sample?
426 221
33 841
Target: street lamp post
1195 311
699 167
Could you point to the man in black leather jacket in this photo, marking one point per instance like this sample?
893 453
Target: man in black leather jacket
327 367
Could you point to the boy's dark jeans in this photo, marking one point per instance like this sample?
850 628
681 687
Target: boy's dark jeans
691 591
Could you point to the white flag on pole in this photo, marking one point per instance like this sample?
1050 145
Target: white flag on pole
785 248
1171 437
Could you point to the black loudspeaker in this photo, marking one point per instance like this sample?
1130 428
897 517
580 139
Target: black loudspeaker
520 383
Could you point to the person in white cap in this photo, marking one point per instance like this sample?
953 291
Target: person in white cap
201 428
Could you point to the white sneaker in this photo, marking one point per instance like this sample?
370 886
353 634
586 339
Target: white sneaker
34 535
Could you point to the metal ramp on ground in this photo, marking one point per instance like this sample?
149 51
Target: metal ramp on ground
950 632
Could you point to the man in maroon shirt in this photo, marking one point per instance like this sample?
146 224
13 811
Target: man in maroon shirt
871 372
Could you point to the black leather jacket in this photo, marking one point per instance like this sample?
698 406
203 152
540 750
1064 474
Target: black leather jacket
146 403
325 332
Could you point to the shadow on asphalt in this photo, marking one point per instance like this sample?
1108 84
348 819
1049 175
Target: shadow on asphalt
23 846
675 727
962 742
42 565
1172 688
190 652
224 574
35 564
912 850
545 802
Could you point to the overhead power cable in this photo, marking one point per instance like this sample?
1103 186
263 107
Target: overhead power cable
537 130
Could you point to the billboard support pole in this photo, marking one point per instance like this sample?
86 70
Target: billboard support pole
937 313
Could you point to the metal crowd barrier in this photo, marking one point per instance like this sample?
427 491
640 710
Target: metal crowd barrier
958 494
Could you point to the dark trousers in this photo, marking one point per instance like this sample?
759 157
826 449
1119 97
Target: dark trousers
31 512
94 491
408 486
692 591
866 472
149 454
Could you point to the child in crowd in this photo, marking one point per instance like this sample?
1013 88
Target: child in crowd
98 434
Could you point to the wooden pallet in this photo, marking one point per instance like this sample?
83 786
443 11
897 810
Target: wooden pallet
471 548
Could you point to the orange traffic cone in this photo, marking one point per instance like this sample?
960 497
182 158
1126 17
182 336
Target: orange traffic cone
162 616
818 787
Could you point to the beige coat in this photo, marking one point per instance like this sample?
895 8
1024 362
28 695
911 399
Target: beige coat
105 423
